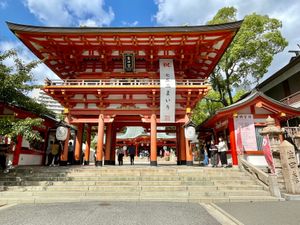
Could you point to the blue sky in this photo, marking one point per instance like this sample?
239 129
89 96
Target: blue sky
139 13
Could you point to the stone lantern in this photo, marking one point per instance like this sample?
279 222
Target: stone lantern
273 132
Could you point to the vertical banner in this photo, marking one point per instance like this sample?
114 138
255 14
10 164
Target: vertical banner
167 90
244 131
268 153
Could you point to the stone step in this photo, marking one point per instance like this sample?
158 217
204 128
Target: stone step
130 183
154 194
230 193
202 188
47 199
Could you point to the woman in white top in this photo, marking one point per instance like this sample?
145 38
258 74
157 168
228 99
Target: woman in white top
222 149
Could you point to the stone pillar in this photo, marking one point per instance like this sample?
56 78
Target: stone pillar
78 145
273 132
88 145
153 145
290 169
99 154
108 143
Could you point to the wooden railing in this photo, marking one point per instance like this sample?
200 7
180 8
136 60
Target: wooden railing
269 181
293 98
122 82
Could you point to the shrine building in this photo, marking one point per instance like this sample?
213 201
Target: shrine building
151 77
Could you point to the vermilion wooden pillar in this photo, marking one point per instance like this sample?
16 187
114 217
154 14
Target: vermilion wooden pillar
178 145
153 154
136 149
99 154
232 141
189 153
64 155
182 146
108 143
113 146
78 145
88 145
17 151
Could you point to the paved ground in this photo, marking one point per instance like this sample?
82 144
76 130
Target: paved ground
264 213
123 213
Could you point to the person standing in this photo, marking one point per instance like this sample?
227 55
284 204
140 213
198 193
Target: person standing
222 149
3 153
70 153
50 156
55 151
207 145
214 153
131 151
120 154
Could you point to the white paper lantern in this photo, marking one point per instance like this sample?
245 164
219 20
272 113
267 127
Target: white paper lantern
61 133
190 132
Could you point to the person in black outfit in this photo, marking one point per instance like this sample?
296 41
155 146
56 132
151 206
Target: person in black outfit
131 151
3 160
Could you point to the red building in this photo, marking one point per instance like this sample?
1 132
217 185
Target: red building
116 77
240 123
23 153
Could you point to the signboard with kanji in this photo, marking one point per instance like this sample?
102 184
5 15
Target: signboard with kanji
128 62
245 132
167 90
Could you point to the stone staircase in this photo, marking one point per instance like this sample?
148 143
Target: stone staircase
129 183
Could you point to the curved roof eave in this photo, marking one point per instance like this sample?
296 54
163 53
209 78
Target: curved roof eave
14 27
253 96
244 102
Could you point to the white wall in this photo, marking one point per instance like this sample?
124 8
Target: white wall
29 159
257 160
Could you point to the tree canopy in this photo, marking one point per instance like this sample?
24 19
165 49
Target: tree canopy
247 58
15 82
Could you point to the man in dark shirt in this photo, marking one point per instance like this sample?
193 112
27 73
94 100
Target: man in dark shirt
131 151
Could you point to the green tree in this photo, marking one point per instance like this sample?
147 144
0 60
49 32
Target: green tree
15 82
250 54
208 106
246 60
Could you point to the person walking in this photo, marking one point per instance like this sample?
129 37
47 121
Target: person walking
214 153
55 151
120 154
131 151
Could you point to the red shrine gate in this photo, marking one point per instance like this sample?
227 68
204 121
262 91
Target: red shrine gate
111 77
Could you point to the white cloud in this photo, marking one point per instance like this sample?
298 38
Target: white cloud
3 4
71 12
40 73
198 12
130 24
